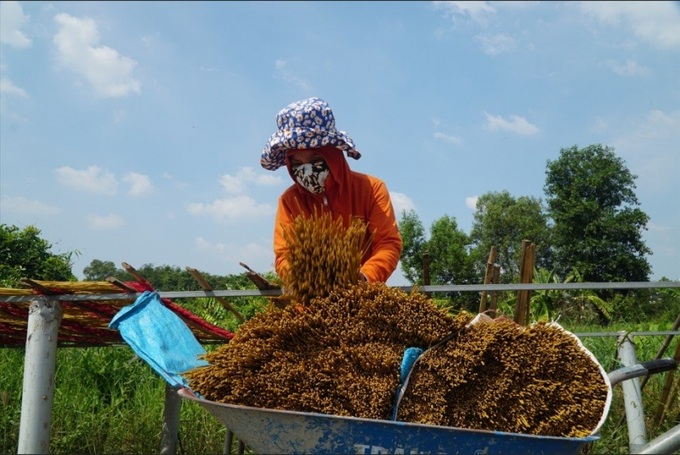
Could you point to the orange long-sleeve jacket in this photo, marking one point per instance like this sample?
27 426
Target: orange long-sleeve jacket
348 194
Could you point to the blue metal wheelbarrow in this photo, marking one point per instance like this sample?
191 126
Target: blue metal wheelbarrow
291 432
287 432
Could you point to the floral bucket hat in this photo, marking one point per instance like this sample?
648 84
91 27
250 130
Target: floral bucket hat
304 124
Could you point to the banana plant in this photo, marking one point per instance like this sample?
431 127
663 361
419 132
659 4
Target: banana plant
546 303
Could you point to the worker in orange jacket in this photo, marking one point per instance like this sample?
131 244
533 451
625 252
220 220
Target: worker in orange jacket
309 145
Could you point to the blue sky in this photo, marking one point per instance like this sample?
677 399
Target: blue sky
131 131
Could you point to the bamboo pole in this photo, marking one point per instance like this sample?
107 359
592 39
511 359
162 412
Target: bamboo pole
666 395
488 274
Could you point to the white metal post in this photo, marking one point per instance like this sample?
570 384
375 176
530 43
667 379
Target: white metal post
171 421
44 319
632 397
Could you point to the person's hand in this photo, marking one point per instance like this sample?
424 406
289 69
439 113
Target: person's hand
362 278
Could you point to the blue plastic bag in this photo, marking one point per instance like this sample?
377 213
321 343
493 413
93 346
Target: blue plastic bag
407 362
159 337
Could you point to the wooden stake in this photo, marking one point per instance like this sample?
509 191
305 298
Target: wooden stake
116 282
206 287
526 272
487 277
36 286
494 295
138 276
260 282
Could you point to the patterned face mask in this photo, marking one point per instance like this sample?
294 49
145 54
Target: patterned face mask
312 175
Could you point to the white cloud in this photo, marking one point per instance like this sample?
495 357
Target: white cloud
236 184
471 202
599 125
654 227
12 19
477 11
401 202
108 72
24 206
447 138
650 145
654 22
119 115
244 250
14 118
516 124
202 244
8 87
180 185
106 222
139 184
629 68
232 184
255 255
91 180
284 72
235 208
496 44
657 124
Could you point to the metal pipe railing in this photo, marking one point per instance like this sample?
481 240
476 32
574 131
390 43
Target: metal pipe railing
425 289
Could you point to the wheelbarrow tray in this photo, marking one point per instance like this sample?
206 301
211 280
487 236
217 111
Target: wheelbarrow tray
291 432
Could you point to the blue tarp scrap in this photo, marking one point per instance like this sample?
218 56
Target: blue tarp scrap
159 337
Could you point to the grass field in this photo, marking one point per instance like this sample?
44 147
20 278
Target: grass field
108 401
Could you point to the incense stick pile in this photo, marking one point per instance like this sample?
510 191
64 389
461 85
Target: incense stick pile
506 377
338 350
341 355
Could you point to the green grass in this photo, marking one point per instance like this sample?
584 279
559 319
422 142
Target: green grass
108 401
614 432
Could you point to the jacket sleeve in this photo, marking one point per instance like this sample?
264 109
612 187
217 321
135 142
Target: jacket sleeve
283 218
386 241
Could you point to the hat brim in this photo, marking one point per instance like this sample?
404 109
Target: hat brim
274 153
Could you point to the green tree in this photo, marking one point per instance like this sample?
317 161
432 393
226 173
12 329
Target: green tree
446 247
448 250
101 270
169 278
413 239
503 221
25 254
597 223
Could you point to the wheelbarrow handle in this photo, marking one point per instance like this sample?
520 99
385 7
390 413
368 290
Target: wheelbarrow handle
641 369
